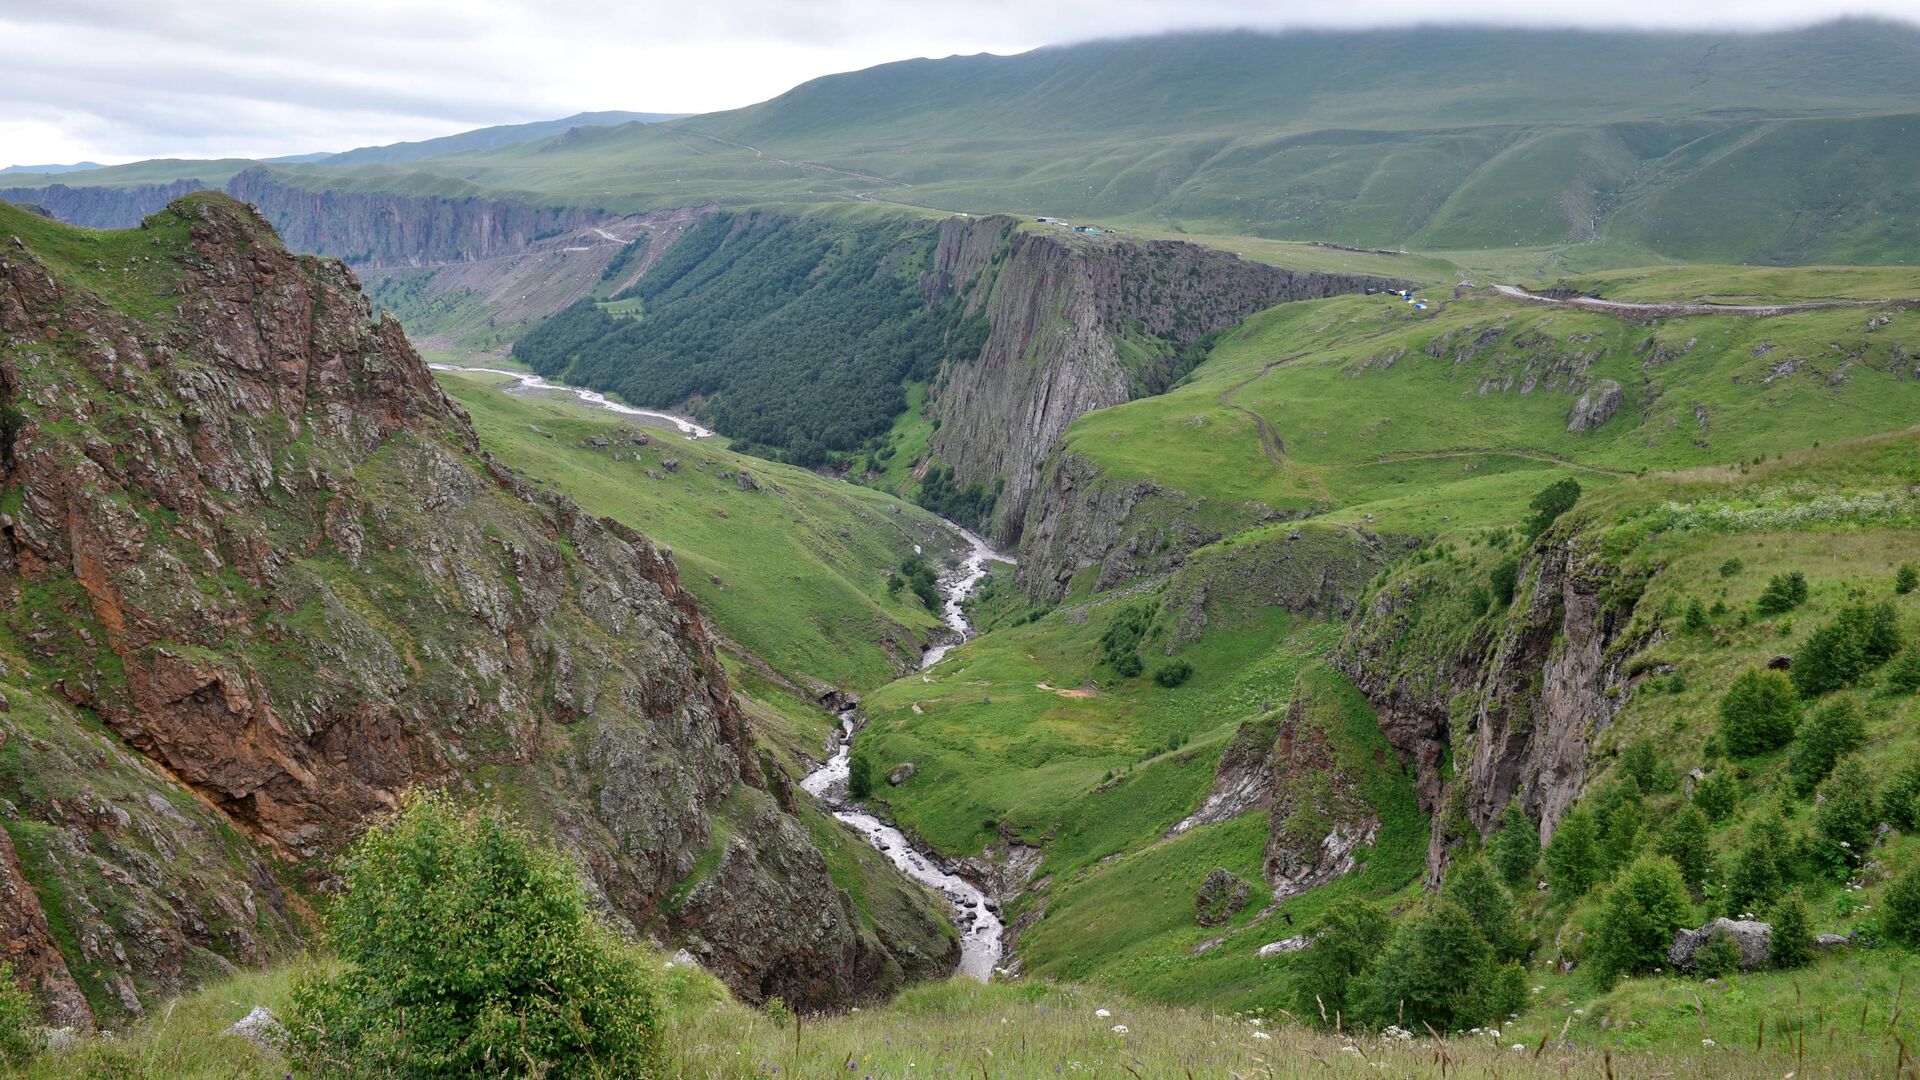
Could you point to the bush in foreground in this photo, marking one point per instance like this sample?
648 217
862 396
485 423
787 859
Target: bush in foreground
466 949
19 1020
1639 917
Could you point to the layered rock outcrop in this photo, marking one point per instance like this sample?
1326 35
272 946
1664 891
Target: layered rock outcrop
1059 307
249 534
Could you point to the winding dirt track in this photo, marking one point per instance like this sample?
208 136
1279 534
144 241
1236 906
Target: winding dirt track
1595 303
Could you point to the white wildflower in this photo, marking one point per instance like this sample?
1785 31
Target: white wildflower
1708 1042
1102 1013
1119 1029
1518 1046
1261 1035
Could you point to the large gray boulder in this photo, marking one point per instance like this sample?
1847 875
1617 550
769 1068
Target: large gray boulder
1596 406
1222 895
1753 938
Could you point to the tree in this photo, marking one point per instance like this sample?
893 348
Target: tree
1717 794
1504 579
1684 840
1515 848
1348 938
465 948
1435 971
1834 729
1860 638
1900 911
1900 803
1793 944
1758 713
1906 579
1903 675
1696 618
1843 823
1620 813
1641 761
1173 674
859 776
1553 500
1639 916
1472 885
1572 858
1753 881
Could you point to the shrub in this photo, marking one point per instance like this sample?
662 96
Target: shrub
1684 840
1618 813
1120 641
1640 761
1515 848
1555 499
467 949
1731 567
1717 794
19 1020
1436 971
1172 675
1471 884
1753 882
1834 729
1903 675
1900 803
859 776
1843 823
1696 619
1783 593
1128 665
1793 943
1900 911
1638 918
1504 579
1346 941
1758 713
919 576
1860 638
1906 579
1572 861
1718 958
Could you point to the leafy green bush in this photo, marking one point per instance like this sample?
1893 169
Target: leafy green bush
1844 822
1515 848
1346 940
1172 675
1684 840
1696 620
1731 567
1717 794
1903 675
1120 641
1554 500
1906 579
1783 593
1573 860
1472 885
921 579
1900 911
1860 638
1504 579
19 1020
1792 945
466 949
1718 958
1834 729
1900 803
1753 881
1758 712
1437 970
1638 918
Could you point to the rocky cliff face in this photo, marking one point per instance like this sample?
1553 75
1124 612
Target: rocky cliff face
384 229
1512 702
101 207
1078 323
247 533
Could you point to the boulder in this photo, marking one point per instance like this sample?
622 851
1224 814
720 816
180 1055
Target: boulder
1220 898
746 481
259 1027
1832 941
902 773
1596 406
1293 944
1752 937
671 464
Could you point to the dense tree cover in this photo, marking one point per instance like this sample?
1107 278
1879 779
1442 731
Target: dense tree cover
1473 886
1438 971
788 334
1120 641
1173 673
466 948
1347 939
1553 500
940 492
916 573
1758 712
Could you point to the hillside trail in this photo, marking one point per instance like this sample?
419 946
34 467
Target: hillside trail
1595 303
1489 451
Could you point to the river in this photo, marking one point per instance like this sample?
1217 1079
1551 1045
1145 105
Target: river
974 915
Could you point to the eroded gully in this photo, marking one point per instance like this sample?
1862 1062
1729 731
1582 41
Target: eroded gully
974 914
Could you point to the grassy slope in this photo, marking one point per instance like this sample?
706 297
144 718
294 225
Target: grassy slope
801 564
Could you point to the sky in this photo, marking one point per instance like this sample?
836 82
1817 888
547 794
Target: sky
122 80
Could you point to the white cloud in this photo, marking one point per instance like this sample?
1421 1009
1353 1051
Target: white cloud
118 80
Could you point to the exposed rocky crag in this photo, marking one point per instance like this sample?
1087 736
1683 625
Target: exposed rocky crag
1059 306
1514 701
101 207
247 532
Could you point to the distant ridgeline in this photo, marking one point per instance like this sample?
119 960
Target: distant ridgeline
795 334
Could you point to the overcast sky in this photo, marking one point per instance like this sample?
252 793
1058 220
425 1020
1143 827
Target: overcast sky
119 80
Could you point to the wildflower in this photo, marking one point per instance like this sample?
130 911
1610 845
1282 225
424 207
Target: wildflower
1255 1021
1538 989
1518 1046
1262 1035
1396 1032
1708 1042
1350 1050
1119 1029
1102 1013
